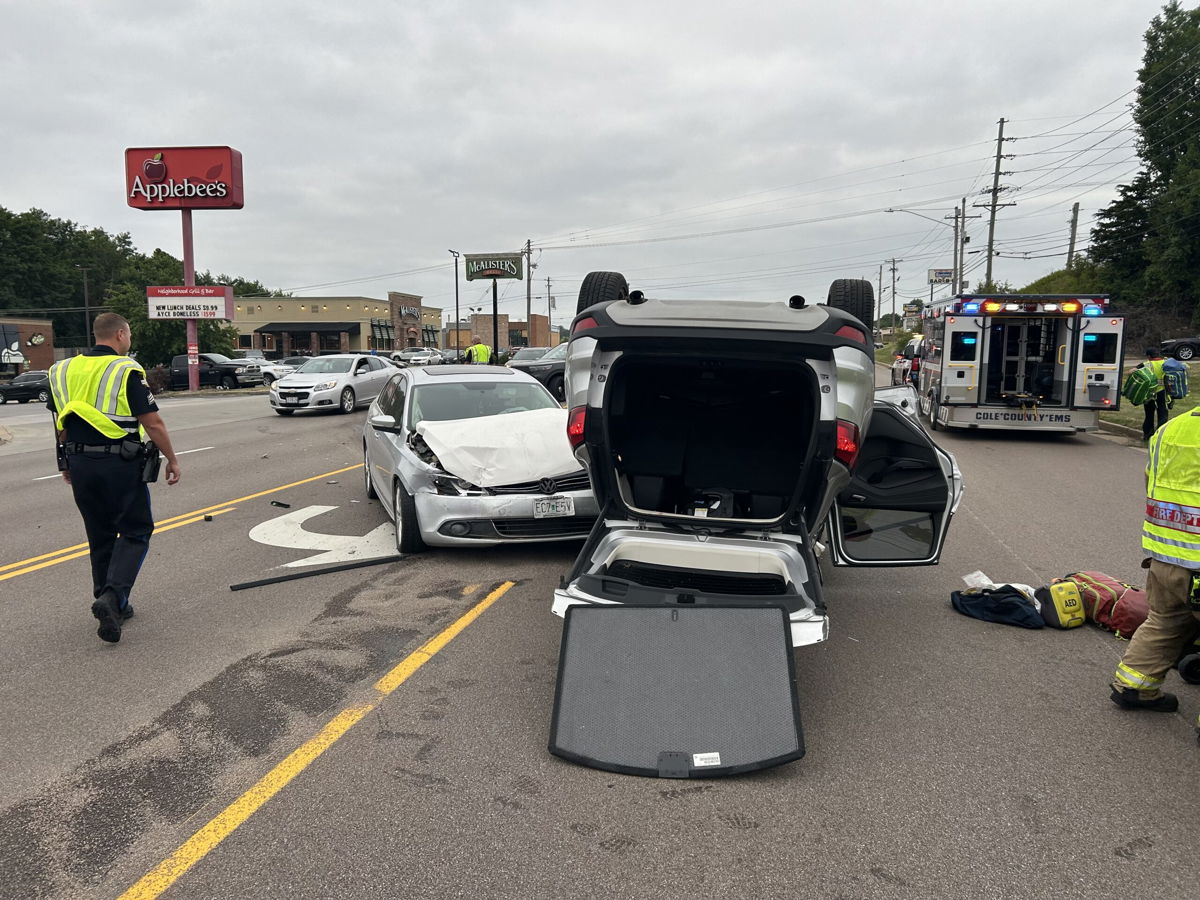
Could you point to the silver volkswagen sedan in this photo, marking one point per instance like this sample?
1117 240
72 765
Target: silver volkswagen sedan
474 455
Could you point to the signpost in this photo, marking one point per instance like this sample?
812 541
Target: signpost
494 266
941 276
186 178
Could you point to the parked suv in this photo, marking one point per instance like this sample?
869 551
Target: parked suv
216 370
27 386
547 368
730 444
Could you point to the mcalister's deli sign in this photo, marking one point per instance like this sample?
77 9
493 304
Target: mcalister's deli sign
183 178
493 265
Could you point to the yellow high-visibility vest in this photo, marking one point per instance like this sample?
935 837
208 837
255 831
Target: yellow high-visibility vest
93 388
1171 532
480 353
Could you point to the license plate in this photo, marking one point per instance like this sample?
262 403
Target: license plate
292 400
549 507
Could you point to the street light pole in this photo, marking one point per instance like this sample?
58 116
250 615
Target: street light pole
87 312
457 328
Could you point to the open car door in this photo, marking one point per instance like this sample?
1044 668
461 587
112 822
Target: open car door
902 493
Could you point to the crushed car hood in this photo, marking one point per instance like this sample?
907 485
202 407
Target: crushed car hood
507 449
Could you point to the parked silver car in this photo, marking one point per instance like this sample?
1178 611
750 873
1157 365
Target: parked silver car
418 356
341 381
473 455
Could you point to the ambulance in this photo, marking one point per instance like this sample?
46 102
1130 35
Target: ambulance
1020 362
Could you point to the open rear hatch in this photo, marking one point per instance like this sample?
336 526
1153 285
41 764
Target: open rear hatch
709 440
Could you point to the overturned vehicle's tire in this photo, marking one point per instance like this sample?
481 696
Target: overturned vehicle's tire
855 296
604 287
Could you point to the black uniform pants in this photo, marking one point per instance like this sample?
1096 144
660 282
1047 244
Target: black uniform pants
1156 406
115 505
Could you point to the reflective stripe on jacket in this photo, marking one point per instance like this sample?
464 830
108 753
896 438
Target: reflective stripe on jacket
1171 532
93 388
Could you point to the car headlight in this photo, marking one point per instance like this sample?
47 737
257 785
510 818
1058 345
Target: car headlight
240 370
325 386
449 486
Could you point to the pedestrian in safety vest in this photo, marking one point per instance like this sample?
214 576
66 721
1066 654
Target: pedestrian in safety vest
478 353
1156 406
1171 542
102 405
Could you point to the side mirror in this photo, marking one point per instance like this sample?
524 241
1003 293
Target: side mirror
384 423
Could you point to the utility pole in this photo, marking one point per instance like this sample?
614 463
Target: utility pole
957 248
1074 226
894 261
87 312
995 203
549 309
457 321
528 292
880 315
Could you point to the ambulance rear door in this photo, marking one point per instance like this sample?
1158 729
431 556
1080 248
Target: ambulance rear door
1099 356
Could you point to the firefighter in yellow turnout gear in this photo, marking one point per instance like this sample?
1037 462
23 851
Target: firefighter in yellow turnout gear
1171 539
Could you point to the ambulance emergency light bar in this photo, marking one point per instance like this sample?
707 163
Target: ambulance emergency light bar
997 307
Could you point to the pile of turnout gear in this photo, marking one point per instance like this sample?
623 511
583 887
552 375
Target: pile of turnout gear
1067 602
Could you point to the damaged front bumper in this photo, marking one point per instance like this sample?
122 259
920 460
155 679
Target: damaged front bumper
485 520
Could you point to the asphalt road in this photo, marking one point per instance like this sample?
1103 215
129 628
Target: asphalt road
291 740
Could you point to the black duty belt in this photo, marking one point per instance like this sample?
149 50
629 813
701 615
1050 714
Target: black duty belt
73 447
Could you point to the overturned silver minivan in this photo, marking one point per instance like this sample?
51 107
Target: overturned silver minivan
731 444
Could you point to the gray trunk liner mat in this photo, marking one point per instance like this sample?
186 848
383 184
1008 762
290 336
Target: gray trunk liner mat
679 691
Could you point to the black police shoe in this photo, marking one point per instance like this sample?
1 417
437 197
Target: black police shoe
1130 698
126 611
107 610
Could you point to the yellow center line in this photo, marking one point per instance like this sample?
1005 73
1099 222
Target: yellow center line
158 526
195 848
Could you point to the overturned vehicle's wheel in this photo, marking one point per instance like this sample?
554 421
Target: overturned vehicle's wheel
603 287
855 296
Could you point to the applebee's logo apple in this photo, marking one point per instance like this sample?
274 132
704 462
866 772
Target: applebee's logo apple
154 168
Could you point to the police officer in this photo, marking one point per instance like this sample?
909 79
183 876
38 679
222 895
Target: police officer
478 353
102 404
1171 541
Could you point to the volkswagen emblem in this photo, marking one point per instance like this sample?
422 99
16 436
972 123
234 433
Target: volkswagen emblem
548 485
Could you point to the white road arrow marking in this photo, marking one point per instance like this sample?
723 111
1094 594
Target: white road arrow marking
288 531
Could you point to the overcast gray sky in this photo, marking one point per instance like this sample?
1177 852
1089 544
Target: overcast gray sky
704 149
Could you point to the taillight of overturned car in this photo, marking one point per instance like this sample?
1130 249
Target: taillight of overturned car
854 334
587 323
575 426
847 443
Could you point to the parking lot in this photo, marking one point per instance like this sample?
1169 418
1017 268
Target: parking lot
382 731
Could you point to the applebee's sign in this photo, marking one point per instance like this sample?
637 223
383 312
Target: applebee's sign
205 301
183 178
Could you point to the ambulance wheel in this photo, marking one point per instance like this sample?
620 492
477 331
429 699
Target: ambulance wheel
1189 668
601 287
855 296
933 413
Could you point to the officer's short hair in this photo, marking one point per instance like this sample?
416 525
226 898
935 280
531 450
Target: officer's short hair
108 324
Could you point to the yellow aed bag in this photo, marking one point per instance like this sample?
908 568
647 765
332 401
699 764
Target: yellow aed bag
1062 605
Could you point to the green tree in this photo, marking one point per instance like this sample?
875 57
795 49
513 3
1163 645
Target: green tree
1167 110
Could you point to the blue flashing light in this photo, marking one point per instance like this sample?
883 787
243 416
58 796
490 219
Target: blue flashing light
970 308
1089 338
1093 309
968 340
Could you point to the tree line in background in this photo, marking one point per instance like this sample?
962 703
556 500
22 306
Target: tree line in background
45 262
1145 246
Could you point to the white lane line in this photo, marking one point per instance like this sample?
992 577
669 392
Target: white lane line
180 453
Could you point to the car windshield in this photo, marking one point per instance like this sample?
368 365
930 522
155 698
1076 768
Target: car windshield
320 365
473 399
559 352
530 353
